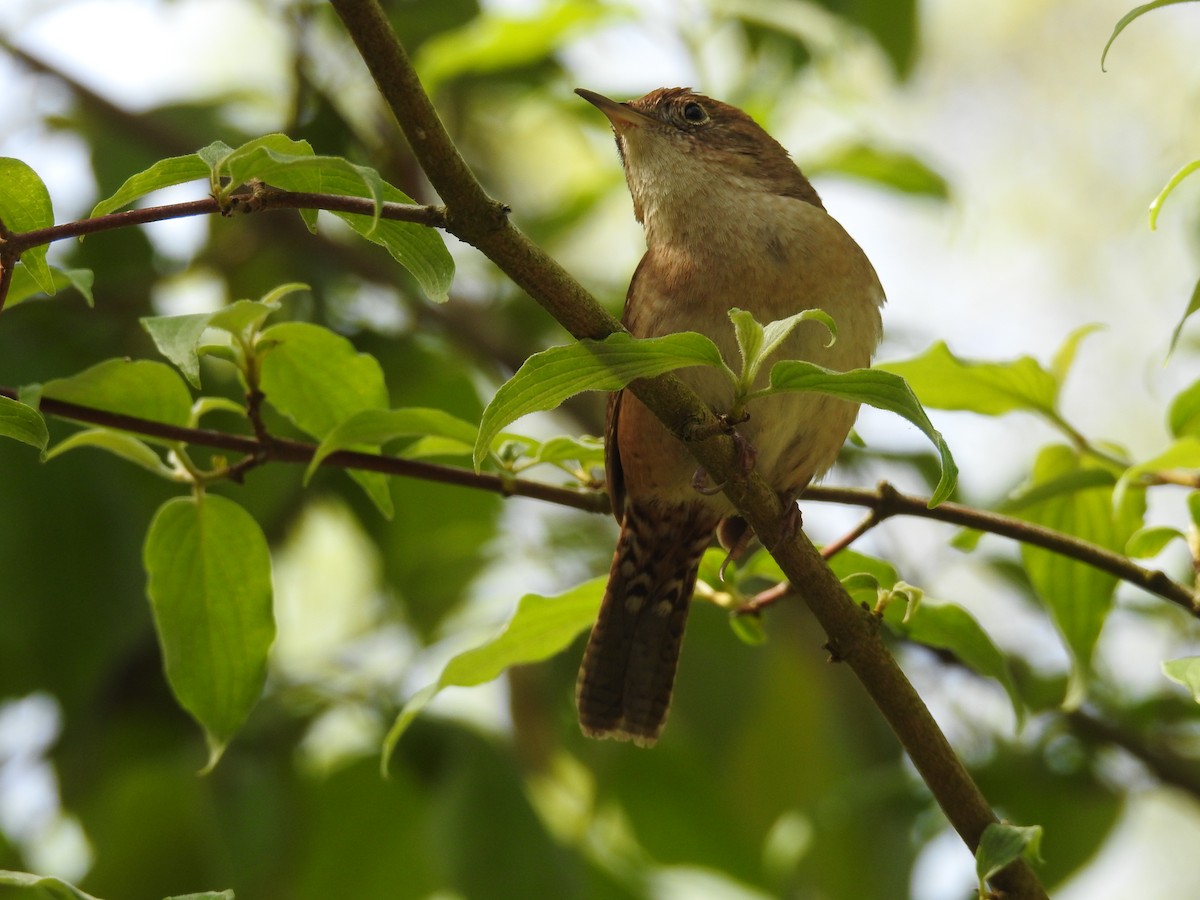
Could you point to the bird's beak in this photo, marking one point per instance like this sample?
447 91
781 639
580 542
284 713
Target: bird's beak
621 115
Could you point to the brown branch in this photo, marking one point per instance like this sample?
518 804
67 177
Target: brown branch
288 451
854 633
885 501
251 200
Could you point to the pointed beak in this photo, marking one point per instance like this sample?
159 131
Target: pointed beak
621 115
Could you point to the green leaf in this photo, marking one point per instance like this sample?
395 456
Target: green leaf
1193 504
25 206
23 285
1064 357
318 380
211 156
1077 595
947 626
279 161
164 173
748 629
849 563
176 338
1001 844
209 581
1185 671
1069 482
943 381
181 338
262 157
244 318
900 171
491 42
1193 305
750 337
1184 416
1183 454
375 427
1134 13
144 388
540 628
120 444
548 378
24 886
22 423
586 451
880 389
1146 543
205 895
757 342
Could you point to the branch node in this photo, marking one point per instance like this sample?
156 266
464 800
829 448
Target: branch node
835 655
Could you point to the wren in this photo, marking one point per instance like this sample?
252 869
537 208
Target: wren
730 221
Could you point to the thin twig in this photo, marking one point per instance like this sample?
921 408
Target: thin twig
284 450
250 200
885 501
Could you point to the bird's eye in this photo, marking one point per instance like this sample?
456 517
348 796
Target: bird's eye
694 112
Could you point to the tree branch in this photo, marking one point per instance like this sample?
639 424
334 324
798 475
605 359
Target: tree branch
250 200
853 632
885 501
288 451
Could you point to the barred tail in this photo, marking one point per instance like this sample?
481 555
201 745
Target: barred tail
628 672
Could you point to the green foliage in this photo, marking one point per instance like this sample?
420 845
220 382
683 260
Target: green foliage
548 378
1135 13
1193 305
281 162
1185 671
540 628
137 387
376 427
316 379
874 387
1078 596
24 285
940 626
903 172
23 886
25 206
943 381
491 42
1001 844
208 574
22 423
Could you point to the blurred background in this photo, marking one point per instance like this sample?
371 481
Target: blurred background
998 180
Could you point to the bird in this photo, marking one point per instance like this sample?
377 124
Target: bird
730 221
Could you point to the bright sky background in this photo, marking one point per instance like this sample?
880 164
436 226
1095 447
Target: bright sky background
1052 164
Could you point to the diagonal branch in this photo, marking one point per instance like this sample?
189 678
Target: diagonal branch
853 632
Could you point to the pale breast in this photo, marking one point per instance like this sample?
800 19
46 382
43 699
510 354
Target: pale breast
786 256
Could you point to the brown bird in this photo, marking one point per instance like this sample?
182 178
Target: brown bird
730 221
